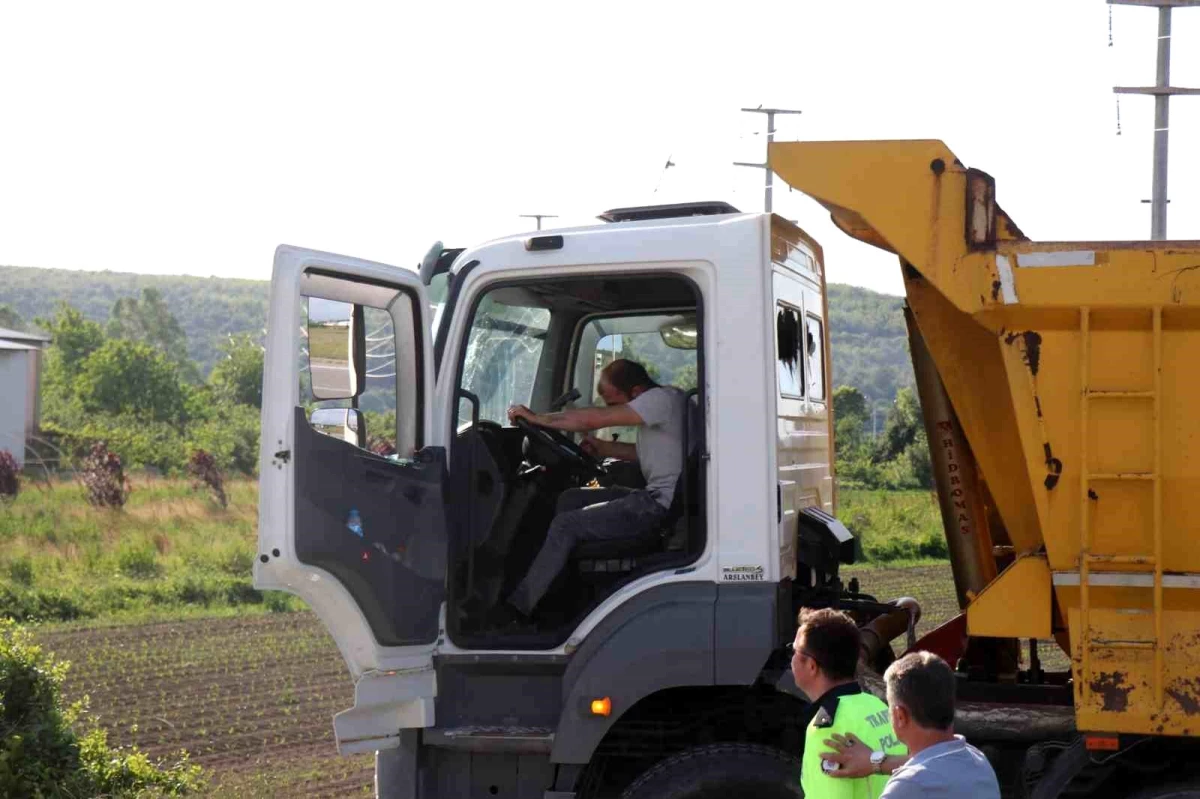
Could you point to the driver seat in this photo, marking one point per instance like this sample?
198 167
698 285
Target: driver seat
621 555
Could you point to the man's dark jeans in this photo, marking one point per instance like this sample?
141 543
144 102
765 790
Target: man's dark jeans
585 514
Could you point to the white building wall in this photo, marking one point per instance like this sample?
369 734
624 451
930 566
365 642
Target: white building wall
15 374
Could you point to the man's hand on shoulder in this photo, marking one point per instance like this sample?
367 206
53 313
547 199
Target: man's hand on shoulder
851 754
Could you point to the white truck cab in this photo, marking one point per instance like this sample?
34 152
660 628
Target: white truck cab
400 504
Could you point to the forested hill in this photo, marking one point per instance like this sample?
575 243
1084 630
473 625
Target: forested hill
208 308
870 346
870 342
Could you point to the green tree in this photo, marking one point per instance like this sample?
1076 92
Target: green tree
74 338
902 426
10 318
130 377
849 403
851 445
149 321
238 376
850 416
919 462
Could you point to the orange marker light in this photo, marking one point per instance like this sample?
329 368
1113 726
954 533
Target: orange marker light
1102 743
602 707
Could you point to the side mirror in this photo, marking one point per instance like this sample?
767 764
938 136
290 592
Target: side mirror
679 333
348 424
337 351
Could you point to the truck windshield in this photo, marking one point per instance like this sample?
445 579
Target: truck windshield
503 352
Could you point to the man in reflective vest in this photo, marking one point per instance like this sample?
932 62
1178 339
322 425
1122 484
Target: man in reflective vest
824 662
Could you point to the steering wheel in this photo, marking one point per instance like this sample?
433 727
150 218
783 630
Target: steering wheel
563 446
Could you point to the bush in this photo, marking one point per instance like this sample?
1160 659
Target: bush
104 478
230 435
40 753
203 469
137 562
279 601
39 604
10 481
20 570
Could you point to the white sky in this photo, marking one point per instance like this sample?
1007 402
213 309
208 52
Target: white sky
194 137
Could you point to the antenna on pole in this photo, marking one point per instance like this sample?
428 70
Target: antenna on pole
539 218
770 112
1162 91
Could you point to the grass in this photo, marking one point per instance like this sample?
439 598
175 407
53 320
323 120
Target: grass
894 527
251 698
172 551
154 607
328 343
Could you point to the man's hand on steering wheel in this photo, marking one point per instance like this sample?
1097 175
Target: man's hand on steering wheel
521 412
556 440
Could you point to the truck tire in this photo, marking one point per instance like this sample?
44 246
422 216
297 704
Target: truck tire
721 771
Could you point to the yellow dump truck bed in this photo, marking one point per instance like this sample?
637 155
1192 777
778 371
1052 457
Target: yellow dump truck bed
1074 369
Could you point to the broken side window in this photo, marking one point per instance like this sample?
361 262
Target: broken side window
816 359
788 339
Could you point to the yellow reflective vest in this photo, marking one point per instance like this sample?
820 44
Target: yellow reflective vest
842 710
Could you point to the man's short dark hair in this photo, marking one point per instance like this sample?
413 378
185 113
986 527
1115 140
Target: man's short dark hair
832 639
924 685
626 375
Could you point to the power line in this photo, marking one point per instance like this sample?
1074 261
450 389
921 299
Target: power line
770 112
1162 92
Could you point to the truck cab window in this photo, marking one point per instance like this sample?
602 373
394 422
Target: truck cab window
790 352
503 353
815 349
329 380
669 357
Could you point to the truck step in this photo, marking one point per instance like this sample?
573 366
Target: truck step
498 739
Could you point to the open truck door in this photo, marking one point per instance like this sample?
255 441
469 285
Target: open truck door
351 507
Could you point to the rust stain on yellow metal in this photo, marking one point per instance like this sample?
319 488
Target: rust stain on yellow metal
1071 368
1016 604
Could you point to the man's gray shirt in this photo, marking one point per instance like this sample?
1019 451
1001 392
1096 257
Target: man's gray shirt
660 439
944 771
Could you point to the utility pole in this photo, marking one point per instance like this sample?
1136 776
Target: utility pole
770 112
1162 91
539 218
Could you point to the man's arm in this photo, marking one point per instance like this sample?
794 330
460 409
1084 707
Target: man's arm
579 420
854 757
609 449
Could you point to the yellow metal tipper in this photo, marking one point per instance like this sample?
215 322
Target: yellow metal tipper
1061 390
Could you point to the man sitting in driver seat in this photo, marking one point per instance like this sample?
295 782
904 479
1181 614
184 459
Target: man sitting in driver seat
631 399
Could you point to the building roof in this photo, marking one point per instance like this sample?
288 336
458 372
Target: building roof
18 335
6 344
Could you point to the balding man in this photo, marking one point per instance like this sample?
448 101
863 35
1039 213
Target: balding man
631 399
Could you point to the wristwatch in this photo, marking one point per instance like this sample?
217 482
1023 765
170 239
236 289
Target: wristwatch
877 759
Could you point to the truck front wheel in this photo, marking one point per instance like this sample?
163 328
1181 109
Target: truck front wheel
721 771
